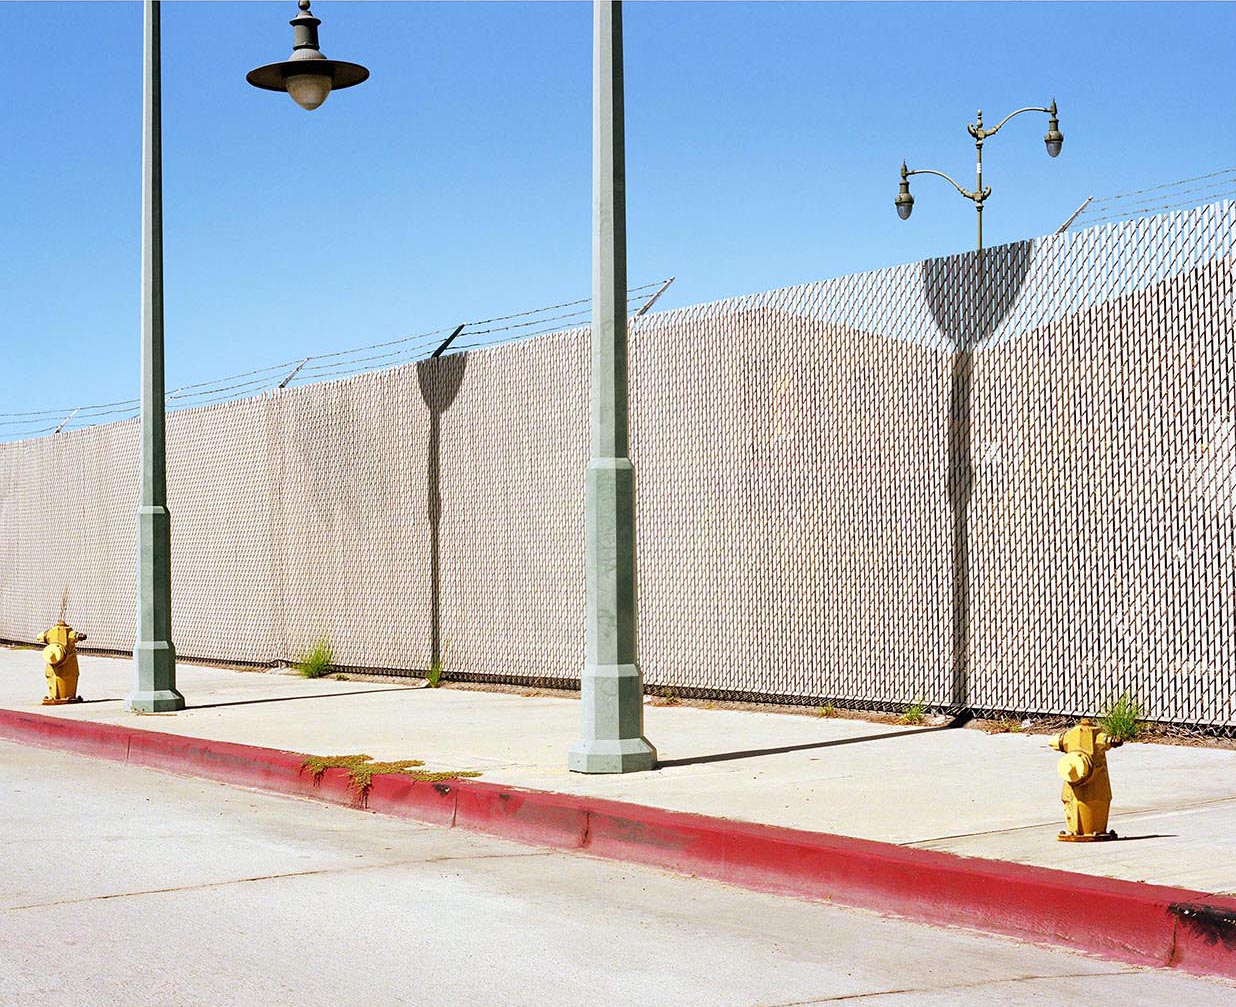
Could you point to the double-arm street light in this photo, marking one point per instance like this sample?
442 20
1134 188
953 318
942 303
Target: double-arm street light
1054 140
308 77
965 336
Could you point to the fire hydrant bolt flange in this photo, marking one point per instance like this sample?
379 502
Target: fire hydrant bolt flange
60 653
1087 792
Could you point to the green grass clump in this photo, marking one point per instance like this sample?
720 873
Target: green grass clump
435 673
828 710
362 770
316 662
914 714
1120 719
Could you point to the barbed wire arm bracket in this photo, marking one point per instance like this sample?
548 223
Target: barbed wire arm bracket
64 422
293 372
1076 213
653 299
447 341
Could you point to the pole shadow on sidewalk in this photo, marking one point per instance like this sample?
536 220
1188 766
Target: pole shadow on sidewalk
288 699
699 760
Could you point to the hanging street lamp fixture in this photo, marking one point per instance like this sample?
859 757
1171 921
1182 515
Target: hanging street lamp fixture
1054 140
307 75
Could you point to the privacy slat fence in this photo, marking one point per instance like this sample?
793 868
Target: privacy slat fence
1008 484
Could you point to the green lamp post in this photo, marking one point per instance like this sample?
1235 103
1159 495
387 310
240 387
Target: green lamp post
611 685
154 657
308 77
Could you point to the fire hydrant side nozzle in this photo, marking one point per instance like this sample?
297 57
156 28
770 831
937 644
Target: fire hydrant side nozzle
60 653
1087 791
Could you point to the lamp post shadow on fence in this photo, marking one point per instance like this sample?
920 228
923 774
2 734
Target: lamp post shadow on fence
969 296
440 379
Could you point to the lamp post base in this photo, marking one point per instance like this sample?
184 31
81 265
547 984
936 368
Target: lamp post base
630 755
154 688
612 701
162 701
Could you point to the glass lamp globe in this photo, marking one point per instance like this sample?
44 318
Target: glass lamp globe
308 90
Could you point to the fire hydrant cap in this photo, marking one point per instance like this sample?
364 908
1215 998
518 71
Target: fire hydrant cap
53 653
1074 767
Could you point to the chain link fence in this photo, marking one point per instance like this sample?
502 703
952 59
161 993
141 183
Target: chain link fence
1004 483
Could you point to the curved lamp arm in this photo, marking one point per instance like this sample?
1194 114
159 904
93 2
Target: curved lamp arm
976 196
977 131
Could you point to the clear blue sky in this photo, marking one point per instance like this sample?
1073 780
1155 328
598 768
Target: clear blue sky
763 147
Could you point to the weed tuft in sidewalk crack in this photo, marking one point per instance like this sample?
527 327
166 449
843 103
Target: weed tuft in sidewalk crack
316 662
665 696
914 713
1120 719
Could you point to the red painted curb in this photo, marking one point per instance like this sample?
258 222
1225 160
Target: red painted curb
1128 921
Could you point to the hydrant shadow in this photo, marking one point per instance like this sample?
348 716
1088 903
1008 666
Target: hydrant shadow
1149 835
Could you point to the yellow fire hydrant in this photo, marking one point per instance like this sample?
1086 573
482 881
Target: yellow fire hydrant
61 656
1087 792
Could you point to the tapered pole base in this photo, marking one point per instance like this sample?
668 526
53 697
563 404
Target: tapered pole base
611 698
155 691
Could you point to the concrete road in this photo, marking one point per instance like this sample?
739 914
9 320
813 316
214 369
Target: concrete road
122 886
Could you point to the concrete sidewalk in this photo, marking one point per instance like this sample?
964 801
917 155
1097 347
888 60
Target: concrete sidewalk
960 791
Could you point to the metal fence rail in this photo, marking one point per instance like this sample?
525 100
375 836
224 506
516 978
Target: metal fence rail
1006 483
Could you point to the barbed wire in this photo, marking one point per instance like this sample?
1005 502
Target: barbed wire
1165 197
1184 204
1166 185
328 366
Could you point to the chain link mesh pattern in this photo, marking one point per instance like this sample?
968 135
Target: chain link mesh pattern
1006 484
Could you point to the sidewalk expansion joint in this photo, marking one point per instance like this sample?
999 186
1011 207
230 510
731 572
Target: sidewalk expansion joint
346 869
981 984
988 832
1135 814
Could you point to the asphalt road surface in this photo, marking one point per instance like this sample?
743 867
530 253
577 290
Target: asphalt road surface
127 887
